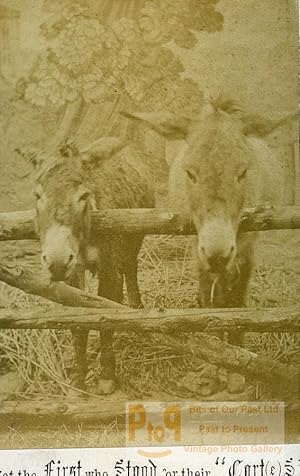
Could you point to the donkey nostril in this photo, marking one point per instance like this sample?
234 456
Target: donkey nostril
218 262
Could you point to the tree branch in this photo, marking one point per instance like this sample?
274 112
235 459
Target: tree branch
55 291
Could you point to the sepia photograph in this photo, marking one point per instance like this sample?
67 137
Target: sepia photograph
149 224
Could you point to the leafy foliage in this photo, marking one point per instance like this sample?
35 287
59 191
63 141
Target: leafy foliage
91 58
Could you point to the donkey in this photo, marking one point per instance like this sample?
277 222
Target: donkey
225 166
68 185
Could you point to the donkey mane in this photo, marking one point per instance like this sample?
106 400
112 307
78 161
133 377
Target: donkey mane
68 148
66 151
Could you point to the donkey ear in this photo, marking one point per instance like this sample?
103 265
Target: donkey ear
102 149
165 123
31 156
257 125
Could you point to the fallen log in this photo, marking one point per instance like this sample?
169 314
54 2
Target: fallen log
92 410
236 359
20 225
145 321
53 412
58 292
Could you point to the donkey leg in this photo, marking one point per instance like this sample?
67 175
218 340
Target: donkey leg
80 340
131 271
237 298
111 287
133 292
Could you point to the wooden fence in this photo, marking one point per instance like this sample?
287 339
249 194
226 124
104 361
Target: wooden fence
104 314
20 225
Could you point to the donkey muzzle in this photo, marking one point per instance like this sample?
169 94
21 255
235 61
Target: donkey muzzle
59 269
217 246
218 263
59 252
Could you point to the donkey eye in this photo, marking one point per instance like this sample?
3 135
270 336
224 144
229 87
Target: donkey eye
191 176
242 175
84 196
38 192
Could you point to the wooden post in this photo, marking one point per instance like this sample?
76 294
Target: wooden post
290 174
297 172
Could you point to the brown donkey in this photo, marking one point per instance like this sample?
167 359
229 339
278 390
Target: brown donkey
69 184
222 169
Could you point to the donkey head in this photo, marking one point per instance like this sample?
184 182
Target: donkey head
64 199
215 165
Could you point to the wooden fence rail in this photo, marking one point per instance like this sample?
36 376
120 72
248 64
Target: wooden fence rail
165 325
94 312
205 346
20 225
144 321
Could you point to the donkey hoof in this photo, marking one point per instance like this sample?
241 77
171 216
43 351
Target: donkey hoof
136 304
106 386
